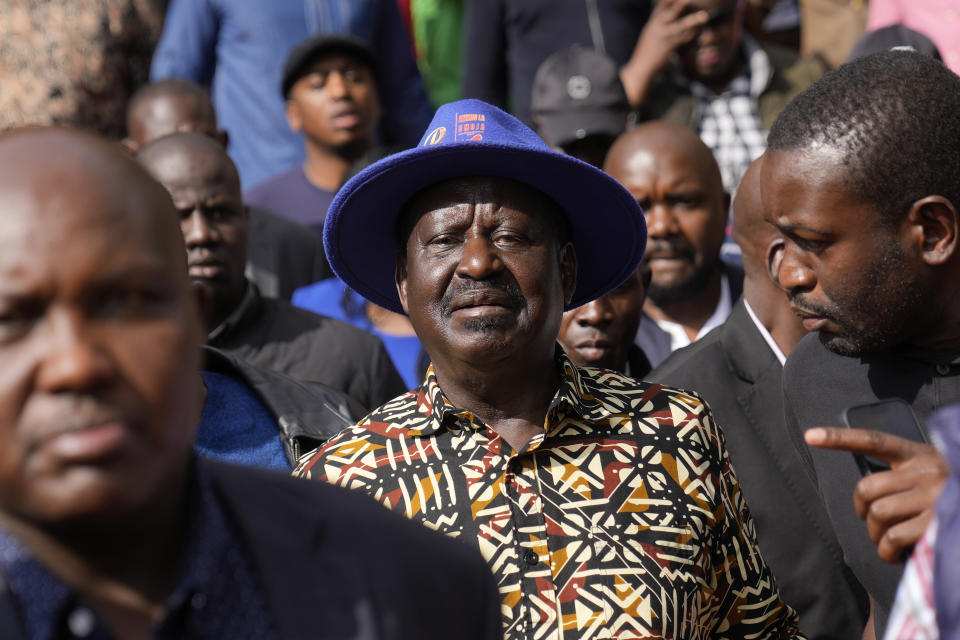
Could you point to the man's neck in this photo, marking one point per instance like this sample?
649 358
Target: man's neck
510 397
691 313
325 167
772 309
127 564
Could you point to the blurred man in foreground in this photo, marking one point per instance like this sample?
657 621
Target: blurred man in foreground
109 526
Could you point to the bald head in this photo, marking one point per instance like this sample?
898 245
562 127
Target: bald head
674 177
205 187
170 106
55 178
750 230
656 144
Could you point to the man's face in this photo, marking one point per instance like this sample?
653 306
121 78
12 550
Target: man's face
685 210
846 273
206 193
484 277
713 51
601 332
99 341
335 103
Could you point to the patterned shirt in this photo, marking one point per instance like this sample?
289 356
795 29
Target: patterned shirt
914 616
623 519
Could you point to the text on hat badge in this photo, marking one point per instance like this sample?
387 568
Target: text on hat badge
470 126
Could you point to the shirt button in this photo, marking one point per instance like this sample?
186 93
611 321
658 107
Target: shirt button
943 369
530 557
198 601
81 622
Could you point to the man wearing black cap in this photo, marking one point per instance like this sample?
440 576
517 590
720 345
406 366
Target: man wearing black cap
329 84
605 506
579 105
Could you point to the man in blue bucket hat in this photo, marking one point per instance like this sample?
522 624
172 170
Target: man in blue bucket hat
605 506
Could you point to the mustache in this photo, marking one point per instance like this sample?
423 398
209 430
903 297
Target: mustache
660 245
461 288
823 311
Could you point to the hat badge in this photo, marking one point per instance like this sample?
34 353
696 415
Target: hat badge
578 87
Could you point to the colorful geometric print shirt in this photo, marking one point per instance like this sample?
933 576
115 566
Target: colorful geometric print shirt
623 519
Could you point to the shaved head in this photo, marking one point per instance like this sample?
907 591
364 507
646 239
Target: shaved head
656 143
58 167
205 187
674 177
169 106
750 230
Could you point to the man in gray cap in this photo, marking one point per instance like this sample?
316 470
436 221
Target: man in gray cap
605 506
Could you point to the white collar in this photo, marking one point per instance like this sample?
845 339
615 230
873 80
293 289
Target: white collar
777 351
678 335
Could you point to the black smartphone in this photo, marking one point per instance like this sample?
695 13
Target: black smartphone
893 416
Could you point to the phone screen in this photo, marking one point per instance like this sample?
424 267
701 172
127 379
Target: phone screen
894 417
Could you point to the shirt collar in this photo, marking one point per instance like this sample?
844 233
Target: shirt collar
753 80
251 297
572 397
777 351
43 599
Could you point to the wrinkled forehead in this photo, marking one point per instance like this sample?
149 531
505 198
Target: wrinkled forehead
477 190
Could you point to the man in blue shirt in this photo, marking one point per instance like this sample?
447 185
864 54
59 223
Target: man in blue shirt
239 47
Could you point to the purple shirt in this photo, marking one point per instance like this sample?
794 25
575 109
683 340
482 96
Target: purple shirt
292 196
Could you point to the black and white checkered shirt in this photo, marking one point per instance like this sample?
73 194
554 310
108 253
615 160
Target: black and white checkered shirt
730 122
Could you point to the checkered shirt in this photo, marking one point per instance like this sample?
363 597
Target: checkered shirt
730 122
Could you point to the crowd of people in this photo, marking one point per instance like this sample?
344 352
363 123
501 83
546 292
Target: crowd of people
638 319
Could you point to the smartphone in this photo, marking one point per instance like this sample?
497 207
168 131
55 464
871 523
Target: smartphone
894 417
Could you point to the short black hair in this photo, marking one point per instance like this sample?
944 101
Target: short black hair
178 87
894 117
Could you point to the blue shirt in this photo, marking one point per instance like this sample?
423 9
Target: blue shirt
218 594
333 298
239 47
292 196
236 426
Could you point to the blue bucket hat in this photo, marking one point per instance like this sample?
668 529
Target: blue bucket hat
472 138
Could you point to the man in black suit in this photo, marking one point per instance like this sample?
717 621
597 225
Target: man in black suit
110 527
737 368
281 254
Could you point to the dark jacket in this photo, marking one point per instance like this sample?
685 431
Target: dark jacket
740 377
818 385
307 413
327 574
670 99
273 334
506 41
283 255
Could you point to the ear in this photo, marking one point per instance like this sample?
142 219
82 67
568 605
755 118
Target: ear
933 226
130 145
400 278
568 271
294 117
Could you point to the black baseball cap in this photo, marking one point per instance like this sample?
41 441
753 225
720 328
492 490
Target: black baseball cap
315 47
577 93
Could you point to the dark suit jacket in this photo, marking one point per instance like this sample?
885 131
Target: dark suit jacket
740 377
335 565
283 255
